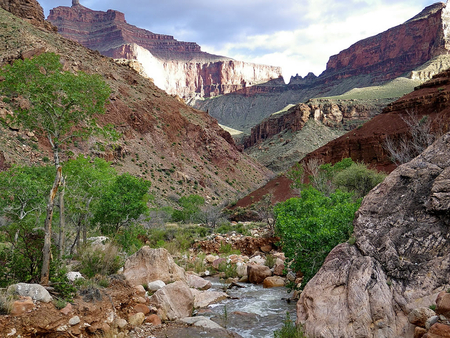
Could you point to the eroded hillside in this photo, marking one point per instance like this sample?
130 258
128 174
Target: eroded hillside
181 150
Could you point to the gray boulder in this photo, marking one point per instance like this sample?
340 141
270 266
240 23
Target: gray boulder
35 291
400 260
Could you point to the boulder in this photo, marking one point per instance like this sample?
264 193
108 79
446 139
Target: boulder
273 282
278 268
200 321
438 330
257 273
443 304
73 276
419 332
203 299
148 265
136 319
155 285
241 269
153 319
21 306
35 291
420 316
142 308
399 261
197 282
174 301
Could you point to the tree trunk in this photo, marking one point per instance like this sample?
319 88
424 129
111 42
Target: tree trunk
62 221
46 250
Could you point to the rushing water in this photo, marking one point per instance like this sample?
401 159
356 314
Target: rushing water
256 312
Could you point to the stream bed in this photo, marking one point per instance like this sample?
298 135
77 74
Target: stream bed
252 311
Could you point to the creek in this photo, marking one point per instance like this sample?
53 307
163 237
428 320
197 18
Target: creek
252 311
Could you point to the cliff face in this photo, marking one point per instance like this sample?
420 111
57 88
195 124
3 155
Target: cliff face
178 67
375 60
30 10
398 263
397 50
332 113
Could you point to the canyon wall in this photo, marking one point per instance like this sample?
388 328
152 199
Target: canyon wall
338 114
178 67
396 51
30 10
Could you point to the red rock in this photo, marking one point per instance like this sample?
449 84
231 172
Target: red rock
212 76
22 306
153 319
142 308
67 309
257 273
443 304
273 282
439 330
419 332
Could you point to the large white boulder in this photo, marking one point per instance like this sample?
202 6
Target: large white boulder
148 265
174 301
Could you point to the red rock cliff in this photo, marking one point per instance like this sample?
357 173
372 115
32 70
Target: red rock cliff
397 50
27 9
178 67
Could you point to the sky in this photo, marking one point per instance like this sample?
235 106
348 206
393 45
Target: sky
297 35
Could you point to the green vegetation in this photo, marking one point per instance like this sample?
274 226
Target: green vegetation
289 330
311 226
51 102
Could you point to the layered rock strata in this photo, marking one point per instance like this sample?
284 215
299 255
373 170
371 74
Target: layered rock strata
178 67
396 52
399 261
30 10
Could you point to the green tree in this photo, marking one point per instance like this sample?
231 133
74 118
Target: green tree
190 211
55 104
22 204
122 202
88 178
311 226
358 178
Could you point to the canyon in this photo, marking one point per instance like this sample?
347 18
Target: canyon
180 68
180 149
369 62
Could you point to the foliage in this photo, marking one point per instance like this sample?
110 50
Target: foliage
131 238
311 226
295 174
289 330
125 200
59 281
358 178
190 209
55 100
227 249
270 261
23 190
100 260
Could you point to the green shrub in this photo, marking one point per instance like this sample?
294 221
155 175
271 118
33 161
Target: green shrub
59 281
270 261
289 330
311 226
358 178
97 260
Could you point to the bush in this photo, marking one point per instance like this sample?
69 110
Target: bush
311 226
358 178
6 303
100 260
289 330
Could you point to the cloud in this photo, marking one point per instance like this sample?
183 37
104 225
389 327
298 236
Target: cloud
299 35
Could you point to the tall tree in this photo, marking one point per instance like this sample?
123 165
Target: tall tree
56 104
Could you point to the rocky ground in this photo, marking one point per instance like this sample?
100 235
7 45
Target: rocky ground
164 307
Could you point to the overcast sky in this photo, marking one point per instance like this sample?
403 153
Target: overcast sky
298 35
